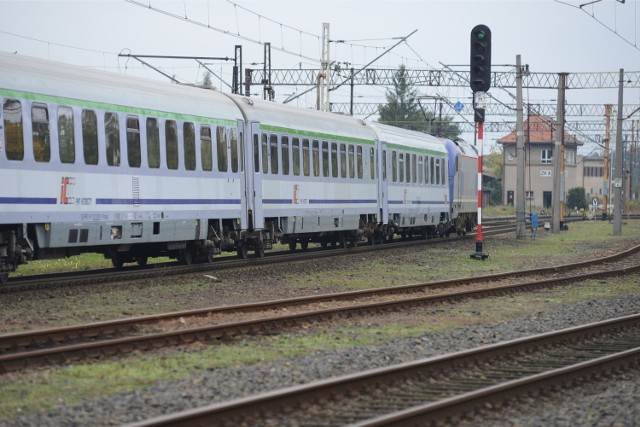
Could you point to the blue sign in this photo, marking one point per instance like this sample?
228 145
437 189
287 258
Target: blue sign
458 106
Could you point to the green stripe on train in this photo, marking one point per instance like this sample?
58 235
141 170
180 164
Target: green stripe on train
113 107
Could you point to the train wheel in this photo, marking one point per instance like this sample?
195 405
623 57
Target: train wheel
208 256
142 260
259 251
186 256
117 260
4 277
242 251
292 245
304 244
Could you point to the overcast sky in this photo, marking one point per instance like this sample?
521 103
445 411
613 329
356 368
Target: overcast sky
551 36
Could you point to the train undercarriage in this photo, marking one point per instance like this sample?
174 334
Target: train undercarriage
20 243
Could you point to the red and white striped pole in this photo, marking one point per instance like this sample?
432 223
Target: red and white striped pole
479 242
479 119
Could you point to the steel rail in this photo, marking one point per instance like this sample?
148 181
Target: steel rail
337 391
102 330
123 346
101 276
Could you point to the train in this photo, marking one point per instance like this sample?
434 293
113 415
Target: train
133 168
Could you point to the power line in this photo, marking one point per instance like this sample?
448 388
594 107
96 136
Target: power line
58 44
592 15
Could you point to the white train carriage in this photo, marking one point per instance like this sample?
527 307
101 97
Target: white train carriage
414 185
313 174
463 184
131 168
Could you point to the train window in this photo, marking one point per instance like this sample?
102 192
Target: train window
420 170
153 143
426 170
234 150
401 167
413 168
265 154
284 144
189 137
90 137
14 142
394 166
372 162
295 151
437 171
241 151
40 130
352 168
133 142
273 147
306 158
325 158
316 158
343 160
334 159
205 148
359 162
407 162
432 169
66 140
221 143
171 137
256 153
443 171
112 134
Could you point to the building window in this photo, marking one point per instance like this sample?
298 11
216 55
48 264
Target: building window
528 195
570 157
546 156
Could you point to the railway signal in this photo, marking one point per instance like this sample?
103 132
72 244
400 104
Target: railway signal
480 82
480 77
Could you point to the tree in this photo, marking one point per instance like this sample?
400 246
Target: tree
206 81
577 198
493 164
404 110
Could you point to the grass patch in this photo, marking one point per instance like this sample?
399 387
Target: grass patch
46 389
77 384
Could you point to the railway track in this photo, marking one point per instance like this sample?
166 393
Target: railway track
101 276
436 391
121 337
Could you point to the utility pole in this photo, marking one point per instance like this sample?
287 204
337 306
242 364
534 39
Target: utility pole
558 156
607 138
324 78
521 225
268 91
617 207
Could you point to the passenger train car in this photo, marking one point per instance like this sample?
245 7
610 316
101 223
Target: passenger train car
92 161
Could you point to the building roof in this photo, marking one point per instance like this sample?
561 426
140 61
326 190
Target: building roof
539 130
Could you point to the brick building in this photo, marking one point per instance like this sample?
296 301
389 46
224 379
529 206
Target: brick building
539 144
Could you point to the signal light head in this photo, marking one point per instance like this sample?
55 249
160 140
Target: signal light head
480 76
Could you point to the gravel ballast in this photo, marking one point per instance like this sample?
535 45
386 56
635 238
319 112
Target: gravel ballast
606 402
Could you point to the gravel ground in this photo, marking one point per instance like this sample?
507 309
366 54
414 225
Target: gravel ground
605 403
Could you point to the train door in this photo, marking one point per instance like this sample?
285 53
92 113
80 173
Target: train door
383 186
246 203
254 177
